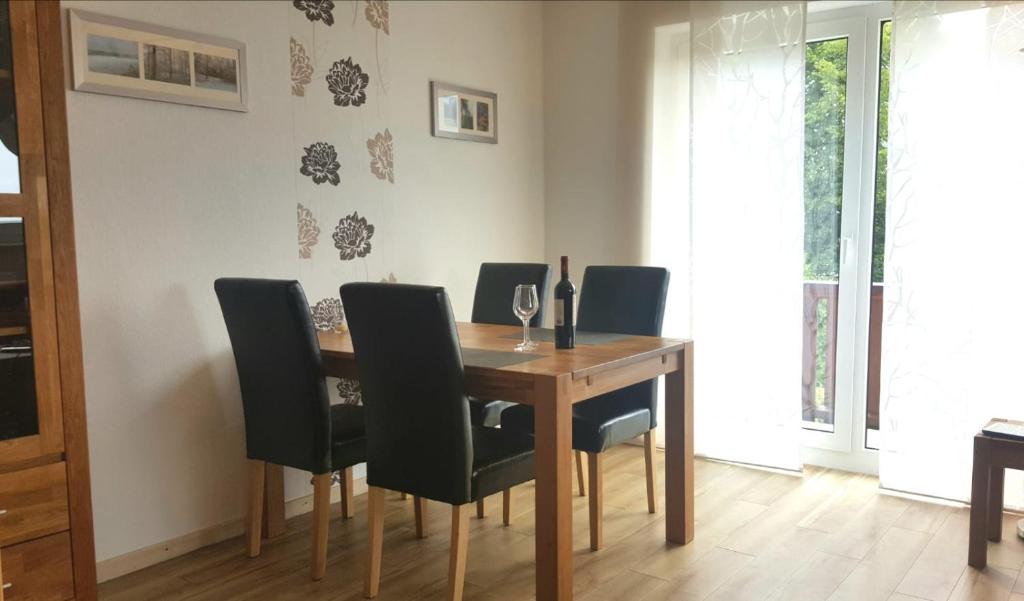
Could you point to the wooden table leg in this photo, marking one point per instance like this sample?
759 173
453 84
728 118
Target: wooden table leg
995 503
977 547
679 450
273 501
553 428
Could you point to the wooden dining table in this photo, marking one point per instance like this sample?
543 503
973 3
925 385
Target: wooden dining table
552 380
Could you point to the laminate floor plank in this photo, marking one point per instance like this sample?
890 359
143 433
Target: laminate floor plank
762 535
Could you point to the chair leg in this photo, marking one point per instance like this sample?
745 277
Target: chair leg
254 528
348 508
652 503
375 541
420 506
579 473
506 506
594 461
321 520
457 560
273 501
480 508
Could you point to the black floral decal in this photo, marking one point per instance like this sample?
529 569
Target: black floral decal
328 314
382 156
347 82
352 237
377 14
321 163
349 392
317 10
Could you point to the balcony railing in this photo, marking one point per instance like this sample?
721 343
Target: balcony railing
821 303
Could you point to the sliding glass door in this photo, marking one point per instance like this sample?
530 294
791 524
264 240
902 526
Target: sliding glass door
844 144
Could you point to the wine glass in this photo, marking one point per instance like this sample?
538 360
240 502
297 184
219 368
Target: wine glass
525 306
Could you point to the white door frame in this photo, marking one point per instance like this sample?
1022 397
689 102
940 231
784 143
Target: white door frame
846 447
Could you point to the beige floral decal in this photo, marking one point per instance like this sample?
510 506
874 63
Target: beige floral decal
391 279
328 315
302 69
352 237
349 392
309 232
377 14
382 158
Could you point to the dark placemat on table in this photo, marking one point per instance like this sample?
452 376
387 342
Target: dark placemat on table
478 357
548 335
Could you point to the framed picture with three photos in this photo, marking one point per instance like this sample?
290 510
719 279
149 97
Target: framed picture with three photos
463 113
111 55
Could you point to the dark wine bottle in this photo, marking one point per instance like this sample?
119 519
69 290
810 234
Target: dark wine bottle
565 320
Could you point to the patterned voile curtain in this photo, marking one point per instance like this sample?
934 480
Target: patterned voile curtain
746 190
951 341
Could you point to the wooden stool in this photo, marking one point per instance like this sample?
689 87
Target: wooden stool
992 455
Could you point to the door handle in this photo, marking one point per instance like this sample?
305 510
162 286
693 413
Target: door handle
844 250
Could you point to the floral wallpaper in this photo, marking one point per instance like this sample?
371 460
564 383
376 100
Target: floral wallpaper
302 69
344 152
382 161
309 232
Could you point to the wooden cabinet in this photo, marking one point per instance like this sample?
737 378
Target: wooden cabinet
46 538
38 570
33 503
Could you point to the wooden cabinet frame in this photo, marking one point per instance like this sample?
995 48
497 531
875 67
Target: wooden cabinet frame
69 330
45 206
31 205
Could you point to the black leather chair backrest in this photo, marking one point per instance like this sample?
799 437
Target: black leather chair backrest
625 300
409 359
284 396
496 288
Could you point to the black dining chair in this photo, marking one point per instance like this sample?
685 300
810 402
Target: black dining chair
492 303
419 436
289 420
618 300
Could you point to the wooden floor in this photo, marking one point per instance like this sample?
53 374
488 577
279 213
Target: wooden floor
760 536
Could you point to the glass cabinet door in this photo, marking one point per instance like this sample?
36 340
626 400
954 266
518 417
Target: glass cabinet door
18 415
10 178
30 404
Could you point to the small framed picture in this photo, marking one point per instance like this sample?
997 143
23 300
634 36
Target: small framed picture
463 113
116 56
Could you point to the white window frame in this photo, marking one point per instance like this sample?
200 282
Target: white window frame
846 447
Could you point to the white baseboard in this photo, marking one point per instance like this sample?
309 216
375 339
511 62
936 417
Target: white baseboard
134 561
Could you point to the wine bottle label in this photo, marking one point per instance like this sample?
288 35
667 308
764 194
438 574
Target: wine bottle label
559 312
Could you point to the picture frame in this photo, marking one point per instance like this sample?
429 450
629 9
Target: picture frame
121 57
462 113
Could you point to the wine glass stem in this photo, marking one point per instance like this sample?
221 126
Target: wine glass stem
526 332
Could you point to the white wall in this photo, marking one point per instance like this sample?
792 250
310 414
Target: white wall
581 74
169 197
598 87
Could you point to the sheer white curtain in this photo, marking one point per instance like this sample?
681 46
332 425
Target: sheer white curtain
954 320
746 209
669 240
